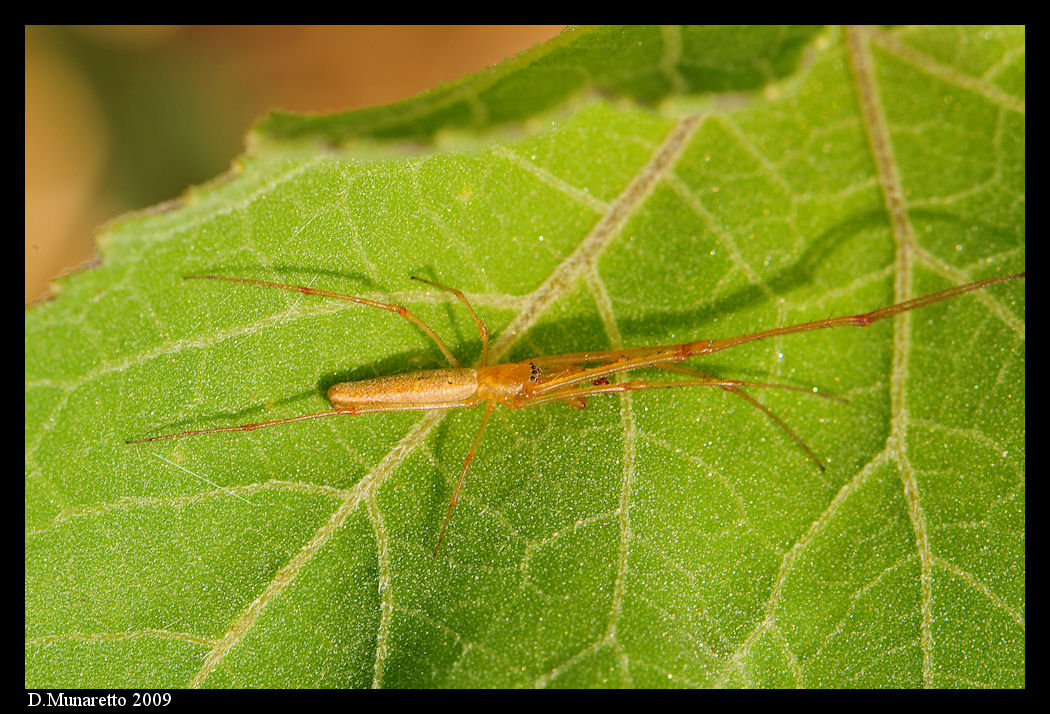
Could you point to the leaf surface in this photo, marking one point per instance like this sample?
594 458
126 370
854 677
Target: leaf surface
615 187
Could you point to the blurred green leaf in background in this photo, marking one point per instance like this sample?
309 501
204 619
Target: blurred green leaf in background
616 186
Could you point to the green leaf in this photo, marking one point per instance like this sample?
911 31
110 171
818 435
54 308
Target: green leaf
614 187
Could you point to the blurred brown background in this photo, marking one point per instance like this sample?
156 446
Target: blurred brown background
119 118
